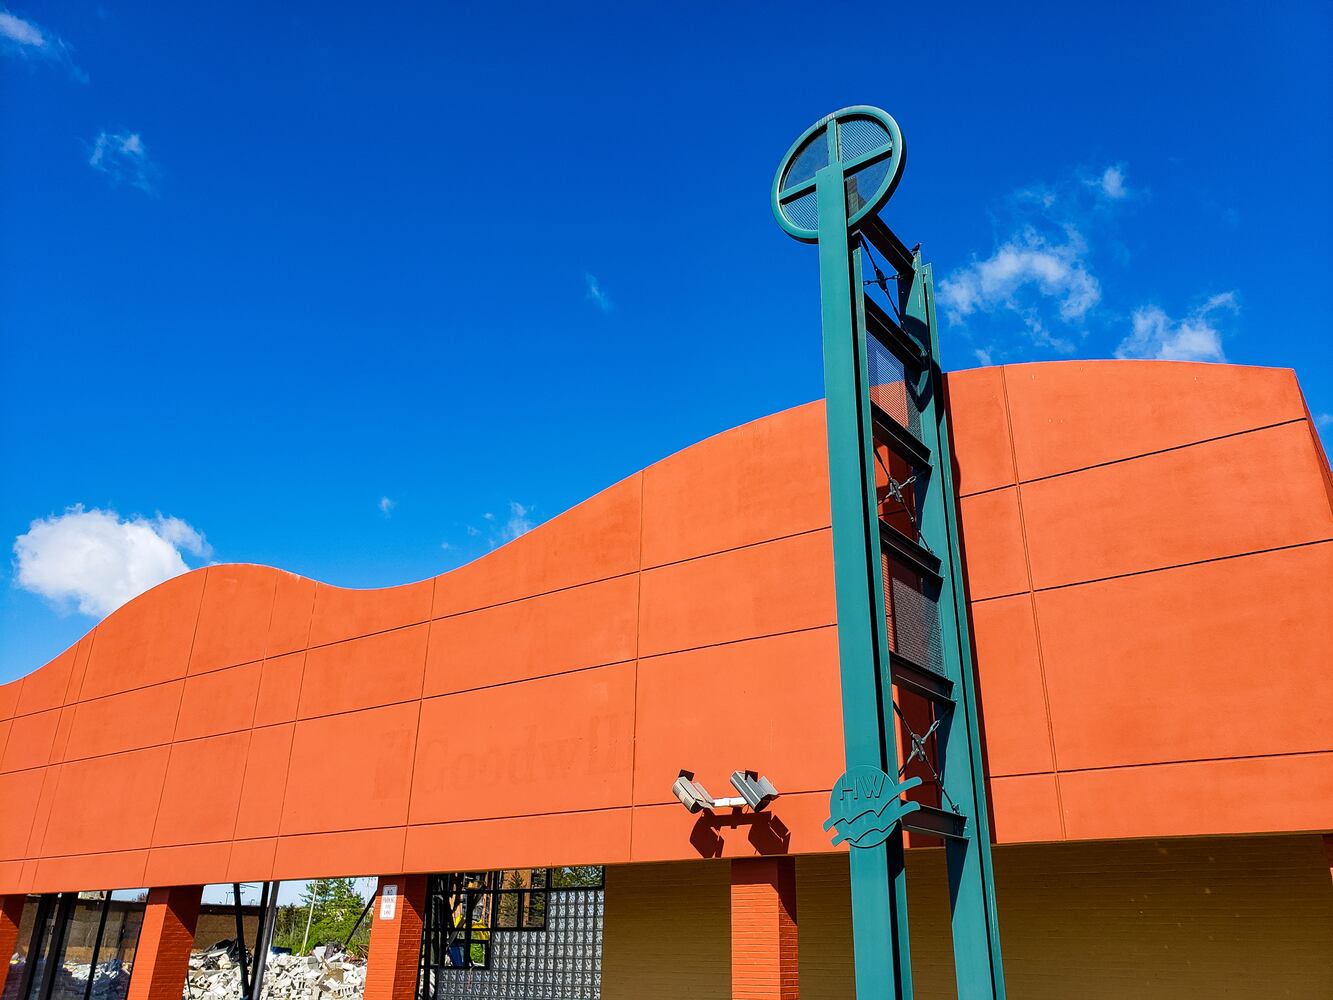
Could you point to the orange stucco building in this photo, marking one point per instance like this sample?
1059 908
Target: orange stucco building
1148 549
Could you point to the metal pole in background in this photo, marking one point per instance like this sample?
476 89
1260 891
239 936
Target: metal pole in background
310 916
240 938
264 939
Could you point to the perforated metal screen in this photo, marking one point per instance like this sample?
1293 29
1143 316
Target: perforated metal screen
858 136
892 388
913 614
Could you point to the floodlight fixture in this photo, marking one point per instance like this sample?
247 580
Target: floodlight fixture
756 791
693 796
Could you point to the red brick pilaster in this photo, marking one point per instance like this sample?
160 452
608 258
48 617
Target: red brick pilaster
11 912
162 958
395 937
763 930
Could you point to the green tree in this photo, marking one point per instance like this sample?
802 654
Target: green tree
331 906
577 877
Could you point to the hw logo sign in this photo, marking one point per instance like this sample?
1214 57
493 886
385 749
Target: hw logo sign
866 804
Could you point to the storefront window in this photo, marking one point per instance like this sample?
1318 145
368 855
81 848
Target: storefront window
41 947
76 947
18 962
84 915
115 959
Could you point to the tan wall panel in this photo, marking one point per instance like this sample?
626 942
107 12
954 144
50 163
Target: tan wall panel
824 927
667 932
1153 920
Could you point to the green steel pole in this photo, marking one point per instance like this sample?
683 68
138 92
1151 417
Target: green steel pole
976 940
878 879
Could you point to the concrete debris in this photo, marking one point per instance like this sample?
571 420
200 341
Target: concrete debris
110 980
324 974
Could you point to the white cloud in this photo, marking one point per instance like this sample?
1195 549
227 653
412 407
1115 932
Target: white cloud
23 33
28 40
1028 262
1112 183
1323 419
1195 338
597 294
518 524
97 560
386 506
124 158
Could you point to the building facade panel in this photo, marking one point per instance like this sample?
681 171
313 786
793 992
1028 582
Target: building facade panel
45 688
723 554
222 701
596 540
1017 719
370 751
983 447
703 500
693 710
1239 795
288 628
556 744
19 790
202 792
279 689
103 804
265 784
765 589
1086 413
1122 656
132 720
147 641
598 836
382 668
235 598
992 523
31 738
1247 493
589 625
341 614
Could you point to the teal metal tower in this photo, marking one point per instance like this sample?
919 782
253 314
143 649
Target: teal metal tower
904 648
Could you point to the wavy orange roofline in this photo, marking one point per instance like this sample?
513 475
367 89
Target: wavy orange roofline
533 706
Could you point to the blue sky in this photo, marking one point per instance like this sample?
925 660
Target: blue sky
362 293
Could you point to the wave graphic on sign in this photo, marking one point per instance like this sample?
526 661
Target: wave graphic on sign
871 825
875 835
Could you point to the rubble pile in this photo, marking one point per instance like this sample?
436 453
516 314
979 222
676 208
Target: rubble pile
110 980
324 974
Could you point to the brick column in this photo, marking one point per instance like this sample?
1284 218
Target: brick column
395 937
763 930
162 958
11 912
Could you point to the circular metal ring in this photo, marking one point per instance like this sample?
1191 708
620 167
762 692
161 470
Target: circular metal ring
865 143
